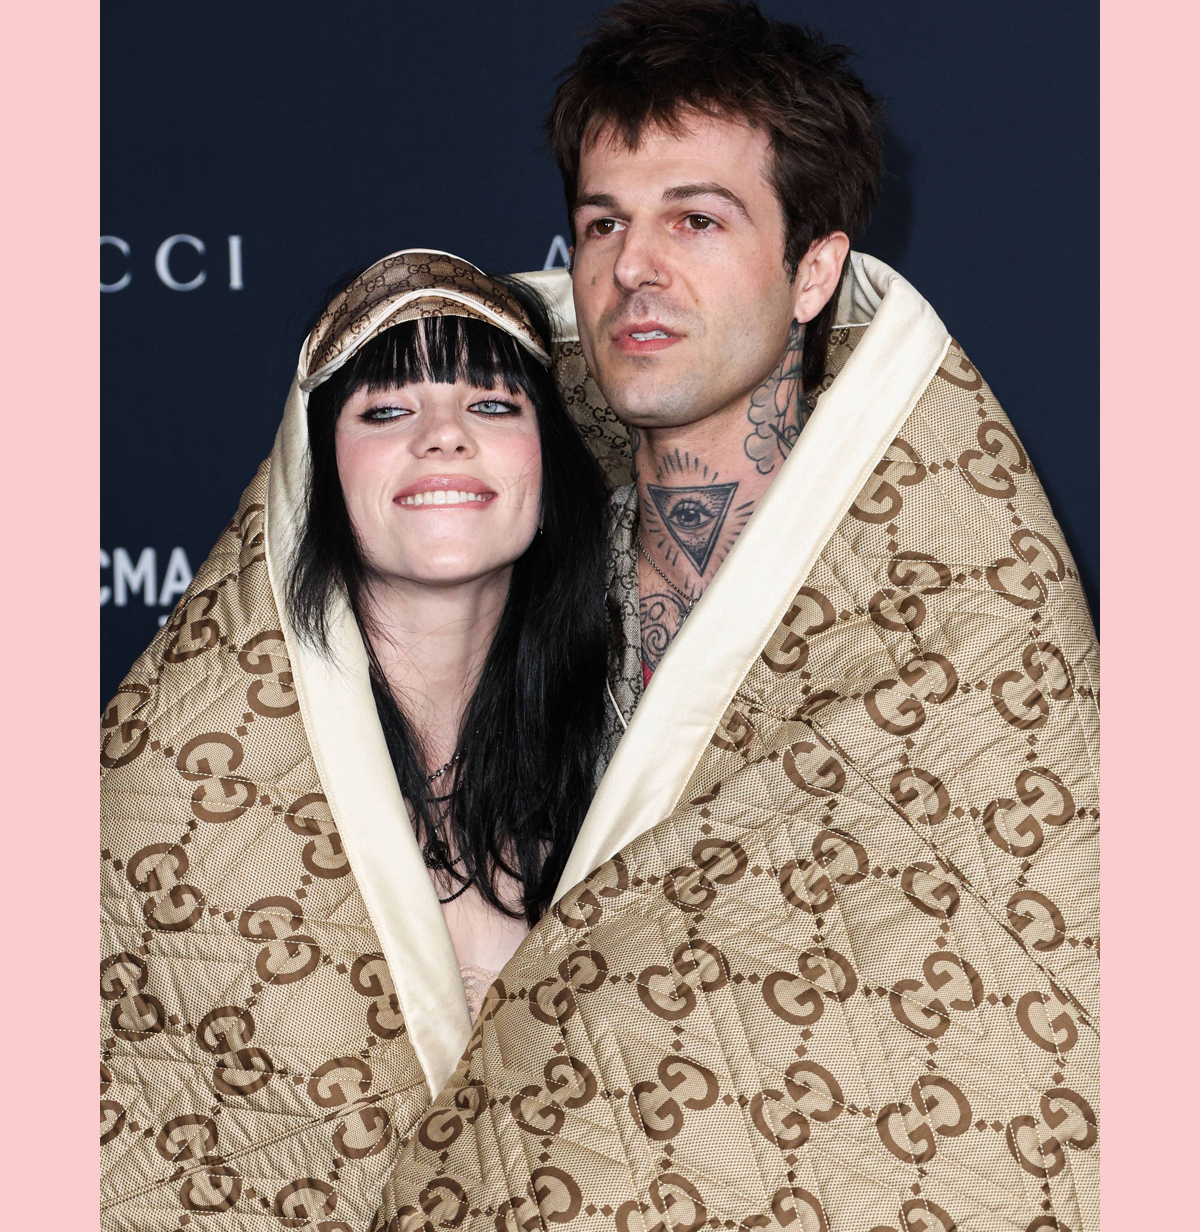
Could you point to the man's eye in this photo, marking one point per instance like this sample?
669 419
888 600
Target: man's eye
603 226
700 222
496 406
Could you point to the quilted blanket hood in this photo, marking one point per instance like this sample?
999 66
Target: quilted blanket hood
825 955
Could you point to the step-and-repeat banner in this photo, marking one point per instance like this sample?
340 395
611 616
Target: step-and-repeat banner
254 153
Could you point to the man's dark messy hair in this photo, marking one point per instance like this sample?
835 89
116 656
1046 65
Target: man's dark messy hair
648 63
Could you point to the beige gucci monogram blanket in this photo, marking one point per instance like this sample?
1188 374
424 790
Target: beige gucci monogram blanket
825 955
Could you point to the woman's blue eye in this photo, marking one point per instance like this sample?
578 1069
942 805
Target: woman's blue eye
494 406
381 414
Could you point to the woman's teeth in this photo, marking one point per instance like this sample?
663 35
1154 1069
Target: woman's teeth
442 496
650 333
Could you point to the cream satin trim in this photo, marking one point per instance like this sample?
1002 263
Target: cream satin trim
555 288
856 420
613 700
356 772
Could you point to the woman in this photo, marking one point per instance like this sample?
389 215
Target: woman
344 780
454 504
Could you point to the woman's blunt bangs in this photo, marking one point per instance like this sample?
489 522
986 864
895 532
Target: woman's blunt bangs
441 349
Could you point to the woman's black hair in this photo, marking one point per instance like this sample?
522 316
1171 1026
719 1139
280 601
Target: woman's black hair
531 733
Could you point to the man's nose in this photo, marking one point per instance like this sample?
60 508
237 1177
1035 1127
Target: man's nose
641 262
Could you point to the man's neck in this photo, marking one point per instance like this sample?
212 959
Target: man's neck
698 485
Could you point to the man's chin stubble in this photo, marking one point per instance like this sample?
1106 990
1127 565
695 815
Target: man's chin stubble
665 405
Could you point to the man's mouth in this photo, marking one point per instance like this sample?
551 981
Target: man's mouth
645 338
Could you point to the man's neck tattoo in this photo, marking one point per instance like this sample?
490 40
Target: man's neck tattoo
694 517
690 511
691 515
775 408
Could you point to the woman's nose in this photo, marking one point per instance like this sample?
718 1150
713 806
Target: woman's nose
443 430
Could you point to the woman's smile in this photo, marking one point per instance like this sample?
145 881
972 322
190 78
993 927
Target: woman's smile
445 492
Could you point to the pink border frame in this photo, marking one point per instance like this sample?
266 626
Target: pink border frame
49 88
1149 406
49 149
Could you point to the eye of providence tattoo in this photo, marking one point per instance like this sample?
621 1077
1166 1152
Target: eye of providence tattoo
689 520
775 408
693 517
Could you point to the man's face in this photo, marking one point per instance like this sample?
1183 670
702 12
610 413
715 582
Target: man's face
681 295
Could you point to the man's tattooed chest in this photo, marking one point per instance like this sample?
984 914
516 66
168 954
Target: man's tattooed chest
662 616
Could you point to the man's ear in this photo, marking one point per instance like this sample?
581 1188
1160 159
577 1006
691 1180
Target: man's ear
818 274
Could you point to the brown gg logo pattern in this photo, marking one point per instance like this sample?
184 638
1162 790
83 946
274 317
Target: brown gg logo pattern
361 311
255 1071
606 435
851 982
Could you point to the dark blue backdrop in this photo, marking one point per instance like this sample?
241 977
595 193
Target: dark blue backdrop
324 136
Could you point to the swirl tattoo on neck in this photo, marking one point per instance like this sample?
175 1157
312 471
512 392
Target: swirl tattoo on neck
661 616
776 411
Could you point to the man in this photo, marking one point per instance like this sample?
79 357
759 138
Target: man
825 955
710 214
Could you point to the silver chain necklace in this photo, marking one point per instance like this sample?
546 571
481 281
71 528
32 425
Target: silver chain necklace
689 601
437 774
470 881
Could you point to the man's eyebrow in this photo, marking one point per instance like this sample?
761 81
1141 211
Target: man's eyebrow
685 192
604 201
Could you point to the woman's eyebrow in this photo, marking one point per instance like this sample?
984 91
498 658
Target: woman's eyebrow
685 192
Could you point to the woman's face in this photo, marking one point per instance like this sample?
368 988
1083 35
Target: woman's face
443 483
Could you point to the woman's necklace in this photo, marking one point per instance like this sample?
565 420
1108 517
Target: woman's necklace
437 774
466 885
446 866
470 881
689 601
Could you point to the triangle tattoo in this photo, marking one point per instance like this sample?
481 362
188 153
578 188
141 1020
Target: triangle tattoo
694 517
